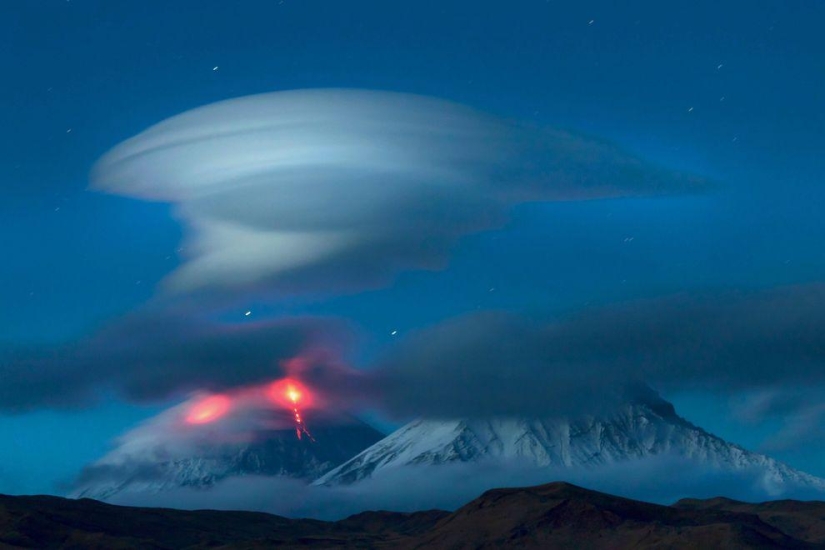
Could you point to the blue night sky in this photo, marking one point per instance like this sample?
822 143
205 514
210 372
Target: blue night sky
730 91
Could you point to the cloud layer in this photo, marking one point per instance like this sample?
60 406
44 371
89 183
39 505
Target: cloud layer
158 354
485 364
494 364
663 479
330 190
320 190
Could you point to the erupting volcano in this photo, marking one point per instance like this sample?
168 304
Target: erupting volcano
291 393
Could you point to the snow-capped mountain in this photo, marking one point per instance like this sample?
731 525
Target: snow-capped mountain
645 427
163 455
145 465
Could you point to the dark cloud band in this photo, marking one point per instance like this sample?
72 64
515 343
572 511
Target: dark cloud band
158 354
494 364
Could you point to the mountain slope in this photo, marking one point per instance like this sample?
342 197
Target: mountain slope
159 467
799 519
555 515
560 515
646 427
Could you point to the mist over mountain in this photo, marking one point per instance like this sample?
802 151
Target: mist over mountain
642 449
645 427
157 466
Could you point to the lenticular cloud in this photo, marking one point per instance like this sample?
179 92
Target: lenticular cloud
324 190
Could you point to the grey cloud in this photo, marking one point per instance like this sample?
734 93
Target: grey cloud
802 415
324 190
157 354
494 363
479 365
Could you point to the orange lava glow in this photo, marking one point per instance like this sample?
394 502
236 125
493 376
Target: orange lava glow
208 410
289 393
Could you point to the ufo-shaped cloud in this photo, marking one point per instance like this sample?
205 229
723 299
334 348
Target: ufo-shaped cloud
324 190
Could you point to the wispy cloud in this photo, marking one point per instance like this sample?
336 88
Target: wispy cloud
662 479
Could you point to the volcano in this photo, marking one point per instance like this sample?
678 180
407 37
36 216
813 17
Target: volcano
644 428
142 463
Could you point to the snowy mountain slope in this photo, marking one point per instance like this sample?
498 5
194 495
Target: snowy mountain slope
158 467
640 429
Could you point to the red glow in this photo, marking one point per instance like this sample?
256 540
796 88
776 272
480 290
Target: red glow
289 393
208 410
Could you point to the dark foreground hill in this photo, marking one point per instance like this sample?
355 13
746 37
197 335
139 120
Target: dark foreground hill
557 515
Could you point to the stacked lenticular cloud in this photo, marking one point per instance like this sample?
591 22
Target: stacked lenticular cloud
341 189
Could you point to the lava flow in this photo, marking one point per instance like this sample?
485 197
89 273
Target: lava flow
291 393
